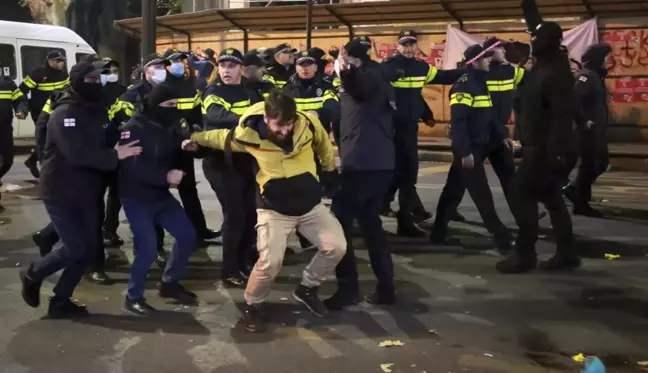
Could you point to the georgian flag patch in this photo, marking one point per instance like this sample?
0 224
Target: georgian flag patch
69 122
125 135
583 78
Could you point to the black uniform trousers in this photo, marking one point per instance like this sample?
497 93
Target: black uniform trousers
475 180
33 156
501 159
6 152
538 180
236 194
361 197
406 172
113 205
78 223
594 160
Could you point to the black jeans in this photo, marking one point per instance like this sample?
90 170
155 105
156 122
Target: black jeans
113 205
361 197
594 162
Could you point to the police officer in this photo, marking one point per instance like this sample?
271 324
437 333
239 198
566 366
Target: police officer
75 161
12 100
591 95
547 125
189 106
408 75
144 188
254 71
41 82
471 115
231 176
283 65
366 174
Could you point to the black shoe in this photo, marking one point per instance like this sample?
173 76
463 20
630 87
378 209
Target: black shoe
341 299
587 211
443 239
422 216
112 240
308 297
138 307
515 264
30 288
161 259
378 299
66 309
458 217
388 212
44 247
100 278
209 234
252 319
31 164
570 193
410 230
505 247
542 215
234 282
177 292
561 263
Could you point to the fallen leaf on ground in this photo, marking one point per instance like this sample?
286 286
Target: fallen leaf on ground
385 367
390 344
612 256
489 355
580 358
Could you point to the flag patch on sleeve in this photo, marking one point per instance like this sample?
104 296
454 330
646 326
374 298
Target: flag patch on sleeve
69 122
125 135
583 78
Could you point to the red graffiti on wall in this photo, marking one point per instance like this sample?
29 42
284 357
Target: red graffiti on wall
630 90
629 49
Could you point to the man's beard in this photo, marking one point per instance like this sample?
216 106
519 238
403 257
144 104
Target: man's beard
282 143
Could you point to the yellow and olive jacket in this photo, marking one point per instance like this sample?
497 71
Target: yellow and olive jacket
287 177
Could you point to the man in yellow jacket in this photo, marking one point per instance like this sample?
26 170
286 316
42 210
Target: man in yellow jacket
283 142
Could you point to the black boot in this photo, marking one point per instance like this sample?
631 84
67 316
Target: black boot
421 216
138 307
342 299
516 264
100 278
570 193
209 234
458 217
177 292
380 299
308 297
44 247
111 239
66 309
32 165
253 320
561 262
388 212
407 228
30 288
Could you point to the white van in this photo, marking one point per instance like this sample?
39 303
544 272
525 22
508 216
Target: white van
24 46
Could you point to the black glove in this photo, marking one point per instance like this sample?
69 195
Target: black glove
330 181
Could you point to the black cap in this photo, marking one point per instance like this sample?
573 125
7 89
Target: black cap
174 54
356 49
252 58
160 93
407 36
305 58
317 53
155 59
209 52
364 40
56 55
475 53
494 42
231 54
86 69
284 48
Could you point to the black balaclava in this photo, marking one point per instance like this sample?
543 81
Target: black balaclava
356 49
90 92
547 39
319 56
594 57
165 116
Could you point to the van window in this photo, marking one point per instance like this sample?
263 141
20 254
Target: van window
8 60
79 56
33 57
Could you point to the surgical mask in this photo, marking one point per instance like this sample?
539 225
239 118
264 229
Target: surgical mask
112 78
177 69
104 79
159 76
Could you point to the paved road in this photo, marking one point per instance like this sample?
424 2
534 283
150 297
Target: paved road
456 313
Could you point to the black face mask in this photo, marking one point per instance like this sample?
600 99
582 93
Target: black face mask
166 116
91 92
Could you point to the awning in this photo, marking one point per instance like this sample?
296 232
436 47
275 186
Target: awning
293 17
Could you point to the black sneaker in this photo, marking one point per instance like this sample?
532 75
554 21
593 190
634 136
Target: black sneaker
32 166
177 292
340 300
100 278
252 319
410 230
422 216
44 247
30 288
161 259
570 193
234 282
516 264
66 309
458 217
209 234
561 263
112 240
381 299
308 297
138 307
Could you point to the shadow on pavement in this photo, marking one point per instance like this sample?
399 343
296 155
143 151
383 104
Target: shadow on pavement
165 321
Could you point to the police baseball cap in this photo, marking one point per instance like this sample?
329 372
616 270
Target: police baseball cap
155 59
56 55
364 40
475 53
231 54
494 42
305 58
252 58
356 49
87 69
407 36
174 54
284 48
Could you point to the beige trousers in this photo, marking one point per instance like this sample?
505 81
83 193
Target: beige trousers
319 226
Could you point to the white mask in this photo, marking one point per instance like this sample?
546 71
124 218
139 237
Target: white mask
112 78
159 76
336 66
104 79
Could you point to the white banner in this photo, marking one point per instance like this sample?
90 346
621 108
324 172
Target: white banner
576 40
